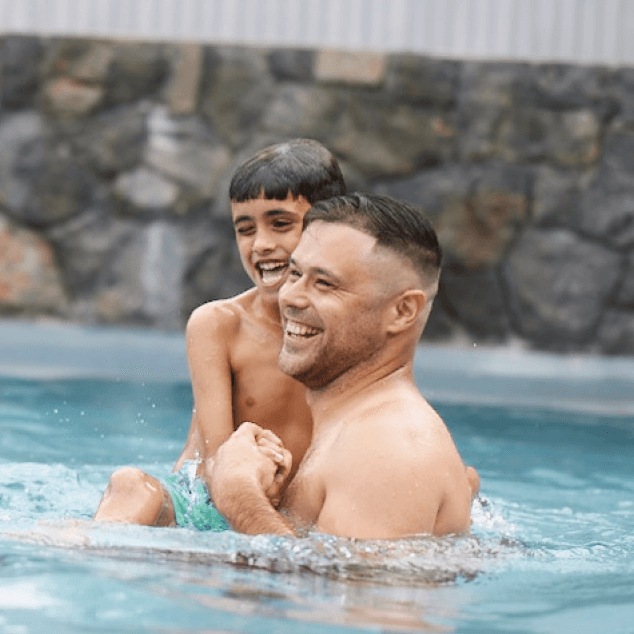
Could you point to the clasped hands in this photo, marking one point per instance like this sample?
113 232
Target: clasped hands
252 461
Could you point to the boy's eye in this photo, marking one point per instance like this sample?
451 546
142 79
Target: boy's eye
244 230
282 224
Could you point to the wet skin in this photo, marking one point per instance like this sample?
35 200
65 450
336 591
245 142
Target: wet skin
382 463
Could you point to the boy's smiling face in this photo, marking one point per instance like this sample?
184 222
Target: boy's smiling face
267 232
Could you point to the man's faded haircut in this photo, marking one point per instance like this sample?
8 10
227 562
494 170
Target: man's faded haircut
300 167
395 224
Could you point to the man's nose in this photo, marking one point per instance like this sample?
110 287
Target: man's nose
292 294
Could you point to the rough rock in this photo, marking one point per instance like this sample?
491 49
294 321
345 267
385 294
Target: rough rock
146 190
476 300
422 82
558 285
20 60
185 150
556 196
606 211
184 87
85 245
137 70
237 89
302 111
291 64
616 332
143 282
113 142
29 278
625 296
22 139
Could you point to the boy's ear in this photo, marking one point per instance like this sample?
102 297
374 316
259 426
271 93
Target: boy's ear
406 310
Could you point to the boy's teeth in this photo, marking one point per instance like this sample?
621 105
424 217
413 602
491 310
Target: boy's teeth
272 271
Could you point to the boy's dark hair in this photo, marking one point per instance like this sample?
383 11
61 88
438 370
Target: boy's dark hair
301 167
395 224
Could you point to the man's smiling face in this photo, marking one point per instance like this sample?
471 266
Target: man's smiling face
267 231
332 304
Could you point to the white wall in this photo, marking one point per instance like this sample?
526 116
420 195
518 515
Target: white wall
588 31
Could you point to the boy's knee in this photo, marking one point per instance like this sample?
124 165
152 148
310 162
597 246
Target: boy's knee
130 479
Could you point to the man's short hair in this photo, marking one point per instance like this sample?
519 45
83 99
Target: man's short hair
395 224
300 167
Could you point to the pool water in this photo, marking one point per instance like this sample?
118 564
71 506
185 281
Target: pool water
551 550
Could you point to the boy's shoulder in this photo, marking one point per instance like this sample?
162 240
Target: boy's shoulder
222 315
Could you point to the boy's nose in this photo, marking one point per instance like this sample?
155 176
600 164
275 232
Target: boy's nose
263 242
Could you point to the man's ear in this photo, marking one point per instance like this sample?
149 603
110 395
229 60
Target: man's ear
406 310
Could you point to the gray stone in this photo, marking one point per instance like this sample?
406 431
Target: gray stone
143 282
291 64
184 149
59 190
22 139
237 89
476 300
562 87
391 141
485 98
137 70
113 141
625 296
422 81
606 210
571 138
21 57
616 333
146 190
555 196
558 285
476 211
29 278
85 245
302 111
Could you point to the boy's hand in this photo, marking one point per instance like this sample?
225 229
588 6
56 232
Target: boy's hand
251 457
270 445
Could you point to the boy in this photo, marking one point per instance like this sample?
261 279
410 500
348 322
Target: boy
233 346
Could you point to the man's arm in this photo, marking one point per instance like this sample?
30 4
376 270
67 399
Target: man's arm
209 333
242 473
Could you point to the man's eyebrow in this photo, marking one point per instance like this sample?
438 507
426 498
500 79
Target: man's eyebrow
318 270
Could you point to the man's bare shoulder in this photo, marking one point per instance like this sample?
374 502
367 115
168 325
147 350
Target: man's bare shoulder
221 317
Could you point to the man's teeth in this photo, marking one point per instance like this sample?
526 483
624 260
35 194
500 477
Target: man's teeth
300 330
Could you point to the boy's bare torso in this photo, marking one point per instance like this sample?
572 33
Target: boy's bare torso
260 391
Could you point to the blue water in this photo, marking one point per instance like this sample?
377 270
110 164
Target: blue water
552 546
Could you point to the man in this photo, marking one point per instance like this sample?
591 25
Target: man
381 463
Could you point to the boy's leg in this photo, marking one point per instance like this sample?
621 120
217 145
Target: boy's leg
134 497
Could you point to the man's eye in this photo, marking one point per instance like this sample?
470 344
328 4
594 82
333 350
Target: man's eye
323 283
294 273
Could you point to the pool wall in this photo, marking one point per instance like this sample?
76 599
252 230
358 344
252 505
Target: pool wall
117 157
474 375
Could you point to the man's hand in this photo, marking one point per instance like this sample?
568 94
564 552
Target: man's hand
248 472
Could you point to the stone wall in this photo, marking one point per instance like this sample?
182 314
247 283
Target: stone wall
116 157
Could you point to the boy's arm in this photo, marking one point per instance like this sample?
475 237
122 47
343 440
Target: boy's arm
210 330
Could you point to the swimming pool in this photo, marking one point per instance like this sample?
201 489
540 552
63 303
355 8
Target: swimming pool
552 548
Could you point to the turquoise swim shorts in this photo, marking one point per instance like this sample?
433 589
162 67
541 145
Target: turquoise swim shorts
193 506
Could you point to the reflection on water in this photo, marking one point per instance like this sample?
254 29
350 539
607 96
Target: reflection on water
551 544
